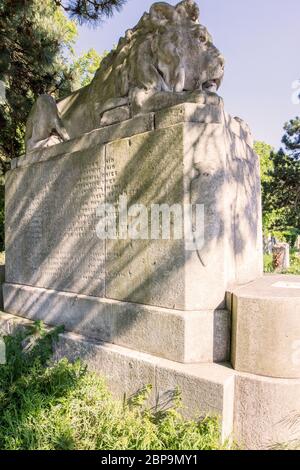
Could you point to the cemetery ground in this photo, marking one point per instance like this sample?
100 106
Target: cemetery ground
62 406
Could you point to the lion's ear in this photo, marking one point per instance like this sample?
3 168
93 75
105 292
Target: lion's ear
162 12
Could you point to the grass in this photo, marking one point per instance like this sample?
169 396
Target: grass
62 406
294 261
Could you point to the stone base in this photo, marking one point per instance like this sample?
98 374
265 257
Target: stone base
256 412
206 389
187 337
266 412
266 327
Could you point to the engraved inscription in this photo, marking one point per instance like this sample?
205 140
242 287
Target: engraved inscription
54 232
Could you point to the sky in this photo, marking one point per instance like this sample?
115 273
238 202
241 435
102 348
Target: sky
260 40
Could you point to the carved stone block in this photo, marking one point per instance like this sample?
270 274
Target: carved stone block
190 157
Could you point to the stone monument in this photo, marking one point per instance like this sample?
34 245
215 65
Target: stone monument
135 215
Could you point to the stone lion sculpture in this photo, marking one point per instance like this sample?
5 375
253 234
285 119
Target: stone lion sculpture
166 59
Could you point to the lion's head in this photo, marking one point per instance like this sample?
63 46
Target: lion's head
168 51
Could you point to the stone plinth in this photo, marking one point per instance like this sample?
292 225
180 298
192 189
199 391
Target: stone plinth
266 412
202 336
134 292
266 327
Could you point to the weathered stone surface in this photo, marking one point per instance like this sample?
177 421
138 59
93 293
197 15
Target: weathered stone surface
113 116
244 197
266 327
266 414
44 125
14 163
51 217
200 167
147 271
164 100
191 336
12 324
137 125
240 128
125 370
53 230
111 104
188 112
206 388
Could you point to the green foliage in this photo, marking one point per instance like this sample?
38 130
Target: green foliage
90 11
37 56
295 264
282 190
294 261
264 151
268 264
288 236
84 67
280 173
35 40
62 406
2 214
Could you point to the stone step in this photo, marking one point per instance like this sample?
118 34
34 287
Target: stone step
206 389
186 337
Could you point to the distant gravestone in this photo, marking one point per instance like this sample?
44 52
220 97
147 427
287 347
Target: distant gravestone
281 256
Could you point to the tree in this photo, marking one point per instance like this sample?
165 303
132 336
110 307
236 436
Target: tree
37 56
282 190
264 151
35 41
91 11
85 67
